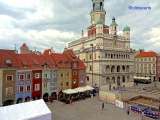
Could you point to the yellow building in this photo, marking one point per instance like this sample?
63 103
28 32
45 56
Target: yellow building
64 72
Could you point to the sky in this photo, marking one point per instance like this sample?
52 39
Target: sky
52 23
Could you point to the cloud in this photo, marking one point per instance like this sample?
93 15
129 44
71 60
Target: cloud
51 23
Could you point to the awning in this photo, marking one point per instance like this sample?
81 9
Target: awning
69 91
80 89
88 88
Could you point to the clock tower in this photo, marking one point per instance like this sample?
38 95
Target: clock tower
98 11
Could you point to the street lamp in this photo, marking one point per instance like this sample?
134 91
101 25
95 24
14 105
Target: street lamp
92 62
99 69
159 103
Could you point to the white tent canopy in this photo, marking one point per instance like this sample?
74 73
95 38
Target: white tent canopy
34 110
69 91
80 89
88 88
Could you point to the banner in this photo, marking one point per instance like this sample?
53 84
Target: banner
119 104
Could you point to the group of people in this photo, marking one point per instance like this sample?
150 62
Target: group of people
142 113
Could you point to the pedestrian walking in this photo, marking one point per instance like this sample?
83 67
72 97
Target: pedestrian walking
128 110
102 106
71 101
51 99
142 115
92 97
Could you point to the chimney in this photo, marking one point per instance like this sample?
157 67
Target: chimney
16 51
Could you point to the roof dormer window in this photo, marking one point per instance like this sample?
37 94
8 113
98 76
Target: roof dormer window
74 64
25 66
44 65
60 62
66 62
8 62
35 63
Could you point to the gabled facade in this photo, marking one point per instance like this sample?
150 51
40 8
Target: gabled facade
53 76
23 79
36 75
145 63
64 72
78 69
8 67
46 76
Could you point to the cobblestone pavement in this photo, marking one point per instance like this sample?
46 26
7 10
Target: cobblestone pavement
88 110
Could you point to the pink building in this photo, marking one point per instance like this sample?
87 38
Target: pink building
158 67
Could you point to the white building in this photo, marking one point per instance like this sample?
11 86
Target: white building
111 54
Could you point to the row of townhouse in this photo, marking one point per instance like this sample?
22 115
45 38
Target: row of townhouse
25 77
147 64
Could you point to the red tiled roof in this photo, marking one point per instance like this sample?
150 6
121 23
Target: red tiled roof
33 59
22 60
46 52
60 58
7 55
70 54
147 54
50 61
72 57
81 64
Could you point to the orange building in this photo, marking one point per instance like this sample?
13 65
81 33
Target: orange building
78 69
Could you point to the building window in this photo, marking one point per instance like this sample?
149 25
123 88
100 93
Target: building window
74 72
67 74
153 59
45 85
153 65
37 75
28 76
90 56
81 81
90 68
9 78
149 65
81 71
28 88
21 88
67 83
141 59
53 84
36 87
21 77
46 75
9 91
61 75
61 84
44 65
144 59
153 71
74 64
74 81
8 61
54 75
25 66
94 55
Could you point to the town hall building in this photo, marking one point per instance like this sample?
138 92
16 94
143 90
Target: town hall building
107 56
